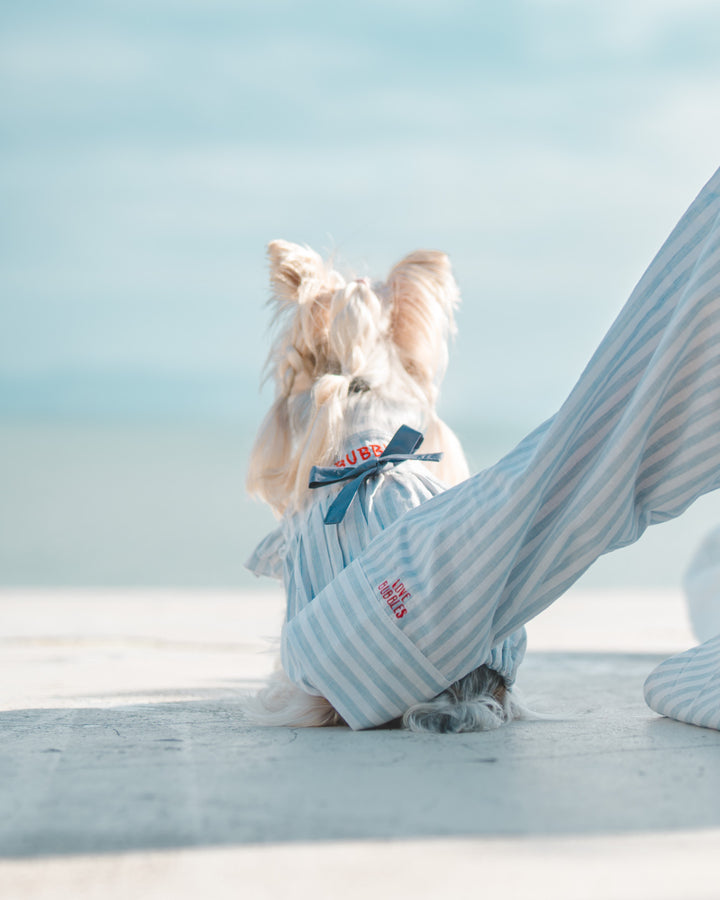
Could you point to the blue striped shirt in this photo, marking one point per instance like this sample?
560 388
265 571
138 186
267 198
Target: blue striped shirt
634 444
308 555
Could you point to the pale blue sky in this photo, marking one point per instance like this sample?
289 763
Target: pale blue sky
151 148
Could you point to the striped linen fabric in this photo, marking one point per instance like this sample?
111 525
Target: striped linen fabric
687 686
307 554
634 444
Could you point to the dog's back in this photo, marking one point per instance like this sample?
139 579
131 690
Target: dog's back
352 362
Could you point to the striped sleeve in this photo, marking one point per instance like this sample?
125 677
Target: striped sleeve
637 440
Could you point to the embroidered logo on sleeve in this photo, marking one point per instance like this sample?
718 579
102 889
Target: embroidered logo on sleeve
360 454
395 595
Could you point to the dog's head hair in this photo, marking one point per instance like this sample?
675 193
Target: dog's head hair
341 346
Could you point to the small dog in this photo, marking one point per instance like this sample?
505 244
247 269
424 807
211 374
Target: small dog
352 362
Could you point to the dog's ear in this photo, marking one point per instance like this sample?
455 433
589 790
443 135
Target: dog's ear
302 287
424 296
296 273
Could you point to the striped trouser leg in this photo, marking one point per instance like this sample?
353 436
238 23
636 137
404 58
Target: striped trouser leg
687 686
637 440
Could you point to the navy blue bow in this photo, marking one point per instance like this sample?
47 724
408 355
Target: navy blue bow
402 446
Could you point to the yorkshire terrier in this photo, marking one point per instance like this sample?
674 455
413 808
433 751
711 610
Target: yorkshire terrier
352 362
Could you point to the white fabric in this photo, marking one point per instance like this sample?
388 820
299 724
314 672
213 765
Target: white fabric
702 588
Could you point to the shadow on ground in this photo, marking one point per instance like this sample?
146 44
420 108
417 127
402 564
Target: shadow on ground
181 773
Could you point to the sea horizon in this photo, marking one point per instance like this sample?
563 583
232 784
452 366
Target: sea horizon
162 503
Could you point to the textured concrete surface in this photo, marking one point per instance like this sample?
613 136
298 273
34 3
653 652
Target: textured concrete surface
126 768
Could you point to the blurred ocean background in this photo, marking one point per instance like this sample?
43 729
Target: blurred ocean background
151 149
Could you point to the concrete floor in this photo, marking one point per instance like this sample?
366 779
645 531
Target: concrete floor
127 769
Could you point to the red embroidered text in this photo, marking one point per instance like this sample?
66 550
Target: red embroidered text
360 454
395 595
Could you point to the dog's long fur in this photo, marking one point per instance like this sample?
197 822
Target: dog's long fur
344 349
